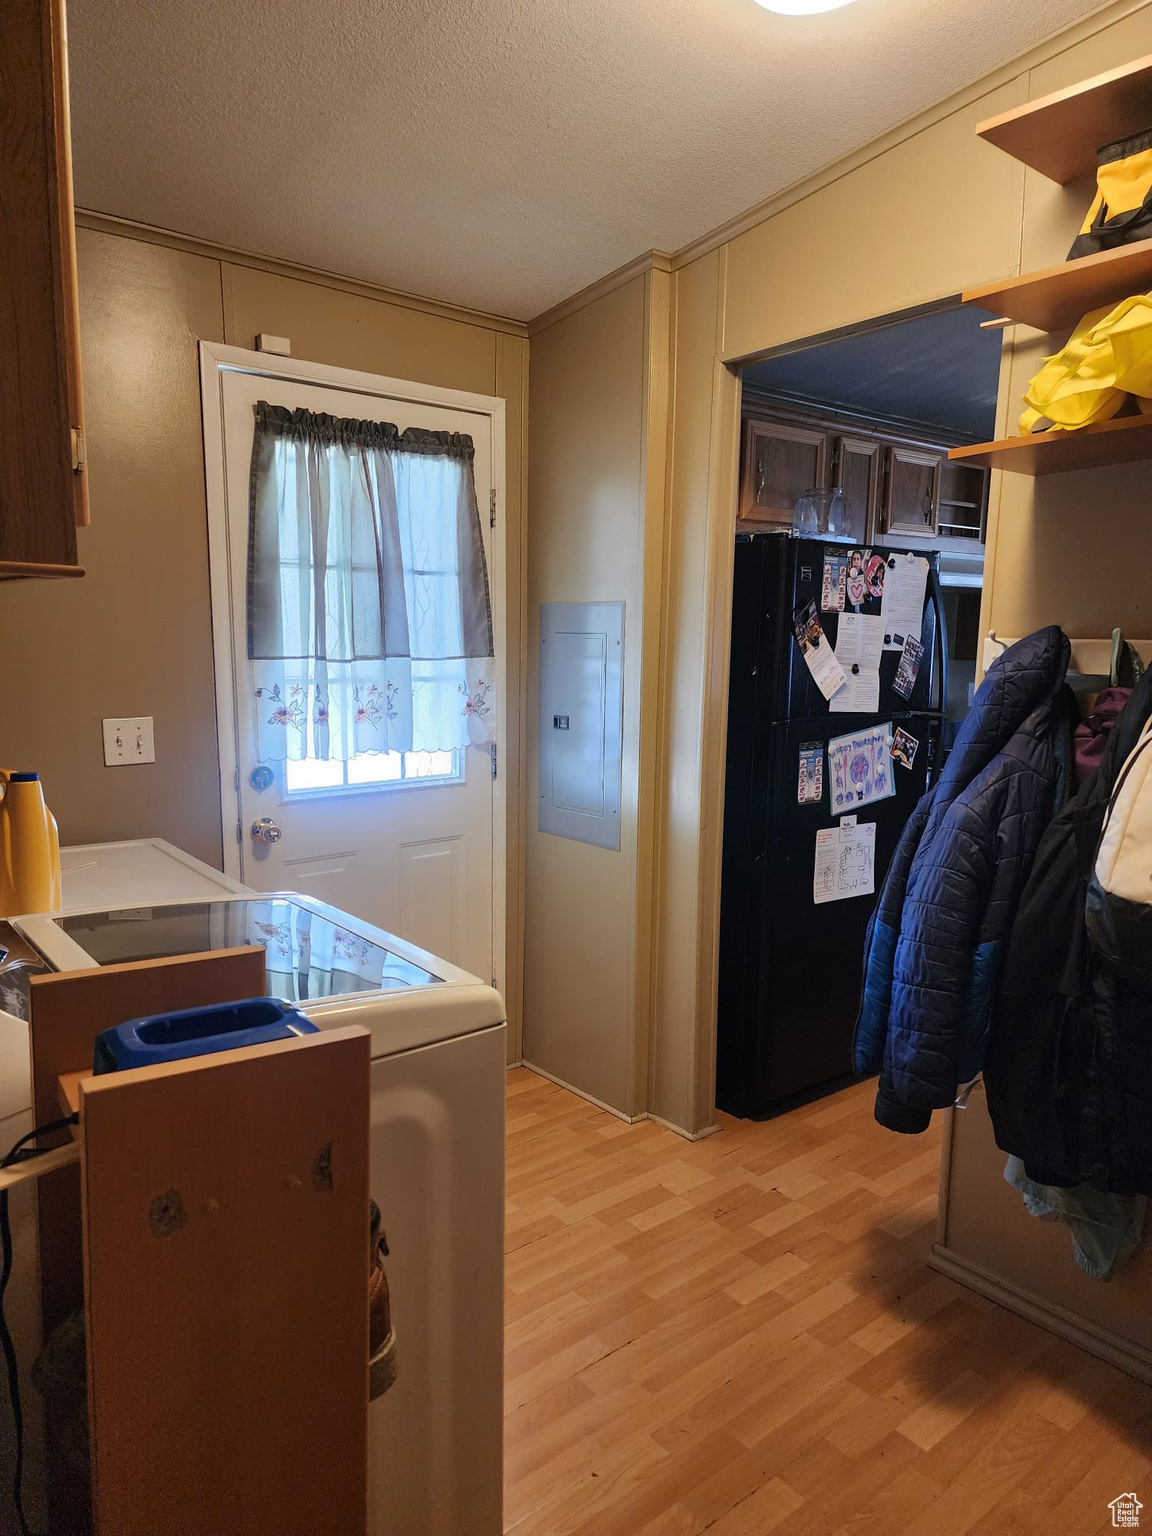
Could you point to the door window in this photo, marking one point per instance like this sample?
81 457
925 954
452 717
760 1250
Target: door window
372 770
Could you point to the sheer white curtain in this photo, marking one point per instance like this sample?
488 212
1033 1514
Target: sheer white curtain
369 623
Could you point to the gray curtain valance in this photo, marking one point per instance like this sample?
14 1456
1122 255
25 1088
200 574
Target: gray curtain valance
351 432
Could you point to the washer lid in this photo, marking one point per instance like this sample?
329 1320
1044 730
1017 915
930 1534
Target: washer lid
310 954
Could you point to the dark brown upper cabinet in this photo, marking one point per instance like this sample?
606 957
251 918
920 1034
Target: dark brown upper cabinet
855 469
43 487
781 462
911 491
898 487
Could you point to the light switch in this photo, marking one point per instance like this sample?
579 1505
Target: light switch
129 741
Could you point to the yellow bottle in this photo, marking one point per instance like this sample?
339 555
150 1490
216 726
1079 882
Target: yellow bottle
29 848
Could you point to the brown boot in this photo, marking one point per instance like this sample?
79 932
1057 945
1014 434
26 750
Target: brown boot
381 1334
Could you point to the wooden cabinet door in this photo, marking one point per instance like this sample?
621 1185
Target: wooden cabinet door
42 495
911 491
781 462
855 468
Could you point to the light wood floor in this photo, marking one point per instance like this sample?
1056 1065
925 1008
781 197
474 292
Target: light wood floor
740 1335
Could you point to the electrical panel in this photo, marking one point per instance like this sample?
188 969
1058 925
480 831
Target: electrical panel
581 720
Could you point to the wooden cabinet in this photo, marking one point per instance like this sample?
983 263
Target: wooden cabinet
911 491
898 488
782 460
963 502
855 468
43 487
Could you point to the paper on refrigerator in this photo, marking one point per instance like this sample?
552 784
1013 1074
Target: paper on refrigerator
860 769
859 643
902 609
813 642
845 862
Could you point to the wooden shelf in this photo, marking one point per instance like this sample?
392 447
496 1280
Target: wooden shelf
1060 296
1125 440
1059 135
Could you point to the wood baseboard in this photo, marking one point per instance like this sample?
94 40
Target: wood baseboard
580 1094
1101 1342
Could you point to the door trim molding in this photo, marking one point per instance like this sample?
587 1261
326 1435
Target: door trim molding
215 361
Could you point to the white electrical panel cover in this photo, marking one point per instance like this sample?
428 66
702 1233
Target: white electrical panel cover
581 720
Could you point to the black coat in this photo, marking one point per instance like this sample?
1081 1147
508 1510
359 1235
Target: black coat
1069 1068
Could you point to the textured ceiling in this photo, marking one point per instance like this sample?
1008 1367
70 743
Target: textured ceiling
496 153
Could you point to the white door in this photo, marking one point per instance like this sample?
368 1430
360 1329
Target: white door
404 841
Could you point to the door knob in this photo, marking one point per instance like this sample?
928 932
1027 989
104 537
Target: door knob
265 830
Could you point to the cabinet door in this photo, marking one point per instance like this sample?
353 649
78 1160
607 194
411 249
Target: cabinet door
781 462
911 491
42 493
855 468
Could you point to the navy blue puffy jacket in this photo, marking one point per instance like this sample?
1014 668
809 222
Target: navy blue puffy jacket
935 940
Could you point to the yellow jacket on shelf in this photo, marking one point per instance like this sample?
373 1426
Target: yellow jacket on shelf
29 847
1108 357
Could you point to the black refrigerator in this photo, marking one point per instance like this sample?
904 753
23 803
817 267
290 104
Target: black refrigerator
790 968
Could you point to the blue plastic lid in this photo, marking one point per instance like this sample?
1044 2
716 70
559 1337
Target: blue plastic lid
23 778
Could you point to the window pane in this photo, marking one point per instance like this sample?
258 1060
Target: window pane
370 768
311 773
430 765
374 768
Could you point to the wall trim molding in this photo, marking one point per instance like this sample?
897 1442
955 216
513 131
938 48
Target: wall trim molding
618 1114
589 1098
110 224
662 261
650 261
679 1130
1101 1342
656 408
1042 53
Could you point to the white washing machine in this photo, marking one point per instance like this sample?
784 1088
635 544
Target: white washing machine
437 1150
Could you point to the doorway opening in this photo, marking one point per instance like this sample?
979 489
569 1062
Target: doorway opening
858 572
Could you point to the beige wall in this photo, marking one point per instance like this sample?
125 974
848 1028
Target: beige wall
590 539
133 636
919 216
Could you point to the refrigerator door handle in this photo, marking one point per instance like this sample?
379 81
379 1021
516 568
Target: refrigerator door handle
937 592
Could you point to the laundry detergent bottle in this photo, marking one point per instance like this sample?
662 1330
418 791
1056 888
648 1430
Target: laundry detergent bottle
29 848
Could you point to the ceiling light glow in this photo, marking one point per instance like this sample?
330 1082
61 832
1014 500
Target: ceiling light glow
802 7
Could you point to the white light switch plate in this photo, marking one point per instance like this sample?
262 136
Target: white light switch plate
129 741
